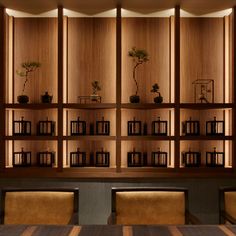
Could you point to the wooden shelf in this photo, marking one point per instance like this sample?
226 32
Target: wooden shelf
31 106
31 137
206 137
206 106
147 106
90 106
90 137
147 137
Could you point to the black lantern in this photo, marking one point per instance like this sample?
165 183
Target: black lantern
159 127
102 159
134 127
21 127
215 127
159 159
191 159
78 158
191 127
78 127
21 159
45 159
46 127
215 159
103 127
134 159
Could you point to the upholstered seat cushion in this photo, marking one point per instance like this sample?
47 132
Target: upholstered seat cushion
230 203
150 207
38 207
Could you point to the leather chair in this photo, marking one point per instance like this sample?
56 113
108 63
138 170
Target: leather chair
154 205
39 206
227 205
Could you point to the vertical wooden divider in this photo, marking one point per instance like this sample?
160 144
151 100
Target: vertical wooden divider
118 88
60 89
2 85
234 89
177 86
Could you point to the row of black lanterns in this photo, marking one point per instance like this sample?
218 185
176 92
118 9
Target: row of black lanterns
78 127
139 159
23 127
159 127
78 158
213 159
23 159
213 127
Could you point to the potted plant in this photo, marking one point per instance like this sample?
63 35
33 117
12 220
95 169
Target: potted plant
27 68
139 56
95 88
155 89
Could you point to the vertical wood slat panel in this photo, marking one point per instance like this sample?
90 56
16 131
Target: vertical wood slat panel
2 85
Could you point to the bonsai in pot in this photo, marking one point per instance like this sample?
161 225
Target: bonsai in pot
155 89
139 56
27 68
95 88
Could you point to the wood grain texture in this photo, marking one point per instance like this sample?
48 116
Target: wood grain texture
35 39
91 56
201 55
151 34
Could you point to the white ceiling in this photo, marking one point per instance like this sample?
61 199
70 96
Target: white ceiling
197 7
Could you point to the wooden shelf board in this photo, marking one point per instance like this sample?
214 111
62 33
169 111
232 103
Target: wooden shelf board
146 106
34 106
208 137
90 106
206 106
90 137
147 137
31 137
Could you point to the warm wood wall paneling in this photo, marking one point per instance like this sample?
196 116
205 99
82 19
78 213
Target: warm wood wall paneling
151 34
91 56
35 39
201 54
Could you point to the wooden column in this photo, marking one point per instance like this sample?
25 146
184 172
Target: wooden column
2 85
118 88
234 89
177 85
60 88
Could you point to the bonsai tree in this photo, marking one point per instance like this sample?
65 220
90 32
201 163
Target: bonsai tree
27 68
139 56
155 89
95 87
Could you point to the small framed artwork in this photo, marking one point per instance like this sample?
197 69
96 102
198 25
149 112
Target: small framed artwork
215 159
134 159
103 127
191 159
159 159
215 127
191 127
102 159
45 159
21 159
78 159
78 127
46 127
21 127
159 127
134 127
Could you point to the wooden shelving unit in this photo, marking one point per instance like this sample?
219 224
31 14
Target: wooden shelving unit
75 50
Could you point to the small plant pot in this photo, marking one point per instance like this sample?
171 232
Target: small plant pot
94 97
134 99
22 99
46 98
158 99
